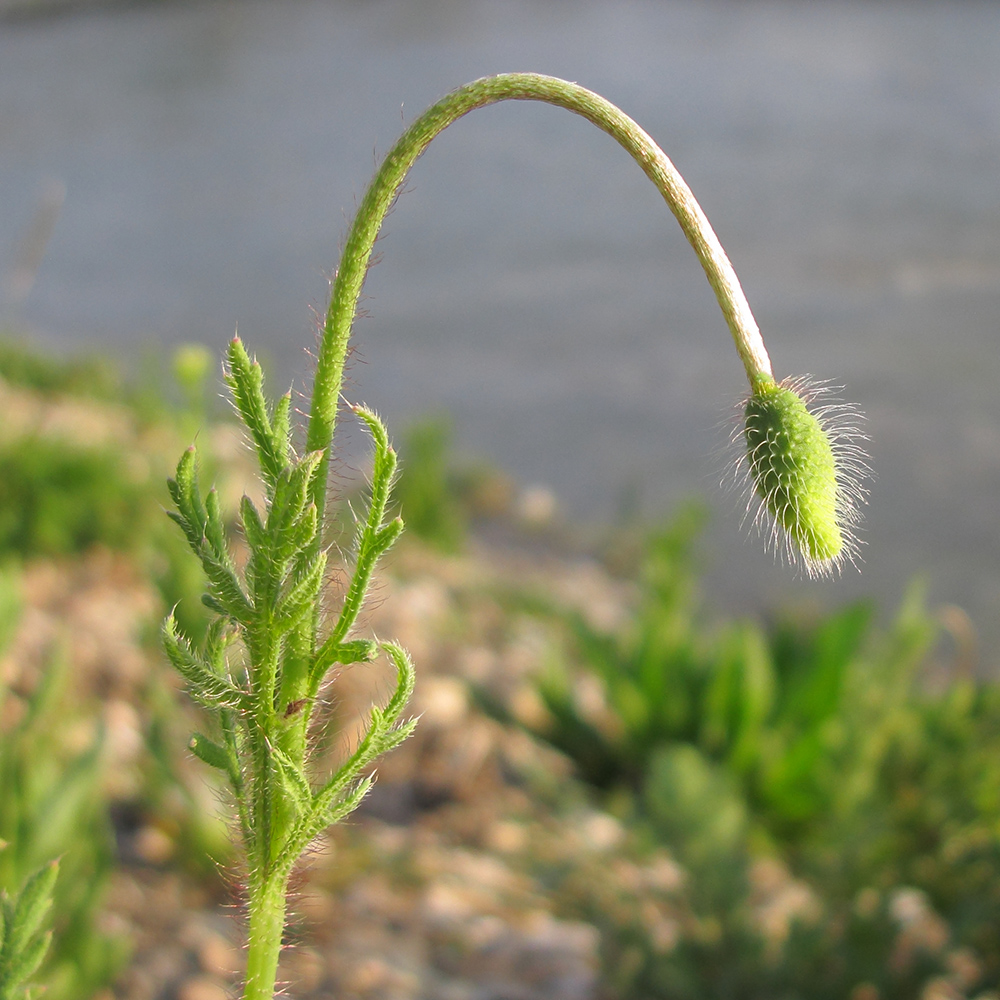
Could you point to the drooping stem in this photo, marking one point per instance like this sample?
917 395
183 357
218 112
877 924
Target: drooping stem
383 188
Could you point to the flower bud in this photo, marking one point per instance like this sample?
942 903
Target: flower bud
806 468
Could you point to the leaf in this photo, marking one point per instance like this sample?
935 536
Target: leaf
252 526
23 947
406 678
373 536
31 906
205 684
209 752
281 425
226 588
387 535
215 530
293 781
331 652
302 595
246 381
291 492
25 964
190 514
380 737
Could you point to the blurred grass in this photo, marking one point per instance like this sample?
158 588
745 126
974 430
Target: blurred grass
50 809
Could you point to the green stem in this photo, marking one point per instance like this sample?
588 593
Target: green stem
267 925
382 191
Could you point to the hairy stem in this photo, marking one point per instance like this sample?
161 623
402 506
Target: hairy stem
267 925
382 191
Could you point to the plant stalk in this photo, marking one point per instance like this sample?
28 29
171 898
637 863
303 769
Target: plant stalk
266 929
383 189
268 886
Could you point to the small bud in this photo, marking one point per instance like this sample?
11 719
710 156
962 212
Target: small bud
806 467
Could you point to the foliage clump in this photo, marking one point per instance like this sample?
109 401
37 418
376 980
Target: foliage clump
812 746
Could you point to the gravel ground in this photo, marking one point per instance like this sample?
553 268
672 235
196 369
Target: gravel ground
438 886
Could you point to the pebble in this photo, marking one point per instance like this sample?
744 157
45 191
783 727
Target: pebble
441 702
218 957
201 988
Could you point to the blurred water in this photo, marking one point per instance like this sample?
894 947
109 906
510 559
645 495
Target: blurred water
847 153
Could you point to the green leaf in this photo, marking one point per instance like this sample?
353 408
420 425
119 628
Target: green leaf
406 678
281 425
209 752
246 381
302 594
293 781
215 530
226 588
205 684
25 964
252 526
32 905
379 738
331 652
373 536
291 492
345 806
23 946
299 536
190 514
387 535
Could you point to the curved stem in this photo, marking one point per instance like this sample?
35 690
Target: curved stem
382 191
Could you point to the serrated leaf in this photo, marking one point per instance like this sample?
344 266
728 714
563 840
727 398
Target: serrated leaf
215 530
32 905
225 587
281 425
406 678
293 781
303 593
23 965
205 685
353 651
246 381
252 526
387 535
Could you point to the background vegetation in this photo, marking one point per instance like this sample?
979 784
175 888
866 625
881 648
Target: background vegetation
802 806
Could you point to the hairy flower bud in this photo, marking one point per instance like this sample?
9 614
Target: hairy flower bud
806 467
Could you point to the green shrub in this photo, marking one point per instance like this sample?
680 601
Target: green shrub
426 486
59 499
815 742
89 376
